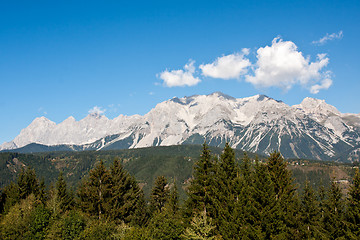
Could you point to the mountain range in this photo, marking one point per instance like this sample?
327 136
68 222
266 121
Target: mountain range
312 129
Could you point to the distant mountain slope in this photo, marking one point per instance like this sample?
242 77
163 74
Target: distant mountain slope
312 129
174 162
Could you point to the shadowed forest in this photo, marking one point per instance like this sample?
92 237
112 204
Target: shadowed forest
224 200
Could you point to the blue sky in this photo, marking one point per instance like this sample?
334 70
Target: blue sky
63 58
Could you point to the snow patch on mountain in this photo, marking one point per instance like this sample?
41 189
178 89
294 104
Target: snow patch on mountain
258 123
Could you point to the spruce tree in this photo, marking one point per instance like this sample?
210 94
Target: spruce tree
42 194
333 220
246 211
173 203
167 223
226 194
201 228
95 192
199 191
62 194
353 210
159 194
310 215
127 199
27 183
287 201
265 206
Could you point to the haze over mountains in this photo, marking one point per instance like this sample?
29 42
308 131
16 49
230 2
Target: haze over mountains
313 129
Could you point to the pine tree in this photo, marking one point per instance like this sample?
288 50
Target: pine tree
353 211
95 192
159 194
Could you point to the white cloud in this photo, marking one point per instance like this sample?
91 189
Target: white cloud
177 78
325 84
329 37
97 110
282 65
42 110
227 67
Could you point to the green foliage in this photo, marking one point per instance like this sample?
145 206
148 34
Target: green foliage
201 228
353 212
10 196
68 226
199 191
165 225
27 183
159 194
227 199
15 224
127 199
333 220
310 215
95 192
98 229
65 199
40 219
225 194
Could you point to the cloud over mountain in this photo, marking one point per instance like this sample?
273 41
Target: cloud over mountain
227 67
282 65
179 78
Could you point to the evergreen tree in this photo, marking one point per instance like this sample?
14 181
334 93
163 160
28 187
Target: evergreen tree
245 168
2 201
95 192
287 201
42 194
333 220
27 183
128 203
10 196
159 194
201 228
62 194
199 191
246 211
353 211
264 218
173 203
226 191
310 215
167 223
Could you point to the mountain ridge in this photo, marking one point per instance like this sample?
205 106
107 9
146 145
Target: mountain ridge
311 129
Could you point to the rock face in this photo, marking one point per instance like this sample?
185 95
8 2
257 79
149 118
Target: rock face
312 129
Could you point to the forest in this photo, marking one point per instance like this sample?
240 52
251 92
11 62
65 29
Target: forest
225 199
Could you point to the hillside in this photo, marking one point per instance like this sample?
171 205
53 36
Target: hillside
174 162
